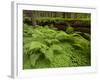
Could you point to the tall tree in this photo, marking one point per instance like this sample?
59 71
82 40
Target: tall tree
33 17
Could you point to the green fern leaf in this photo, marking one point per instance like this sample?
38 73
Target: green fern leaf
34 58
48 53
35 45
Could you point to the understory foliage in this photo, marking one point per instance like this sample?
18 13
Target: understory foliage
44 47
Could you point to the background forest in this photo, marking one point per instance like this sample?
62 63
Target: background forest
56 39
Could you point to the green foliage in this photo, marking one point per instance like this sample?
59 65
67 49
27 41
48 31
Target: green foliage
86 36
35 45
44 47
69 29
49 54
34 58
57 19
62 35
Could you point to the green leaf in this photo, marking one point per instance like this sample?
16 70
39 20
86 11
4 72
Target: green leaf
26 64
48 53
35 45
78 46
33 58
69 29
62 36
57 49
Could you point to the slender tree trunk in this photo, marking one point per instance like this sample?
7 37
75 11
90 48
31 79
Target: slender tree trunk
33 18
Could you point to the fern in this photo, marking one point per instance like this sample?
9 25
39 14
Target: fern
34 58
61 36
48 54
35 45
69 29
45 47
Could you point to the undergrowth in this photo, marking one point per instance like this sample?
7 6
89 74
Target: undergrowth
48 48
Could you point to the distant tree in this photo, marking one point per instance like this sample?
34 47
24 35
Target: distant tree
31 15
34 15
63 15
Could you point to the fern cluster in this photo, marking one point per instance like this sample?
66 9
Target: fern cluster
48 48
